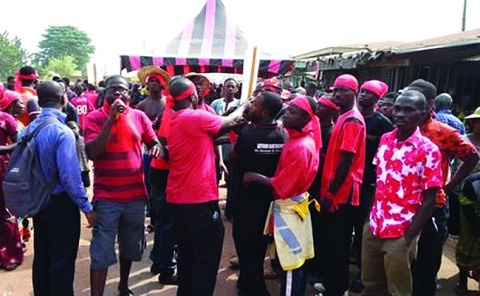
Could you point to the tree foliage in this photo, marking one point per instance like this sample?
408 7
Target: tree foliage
12 55
62 66
61 41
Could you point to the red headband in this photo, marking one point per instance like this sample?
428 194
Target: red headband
314 124
328 103
186 93
19 77
159 77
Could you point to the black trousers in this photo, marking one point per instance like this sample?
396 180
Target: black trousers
338 238
429 255
55 246
454 210
251 244
164 242
200 233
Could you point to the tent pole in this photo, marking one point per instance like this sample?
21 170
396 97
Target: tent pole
253 72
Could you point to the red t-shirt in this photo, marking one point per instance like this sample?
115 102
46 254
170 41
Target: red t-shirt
349 135
297 166
92 97
118 176
192 177
83 106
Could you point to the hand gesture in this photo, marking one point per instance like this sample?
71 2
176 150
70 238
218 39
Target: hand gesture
91 218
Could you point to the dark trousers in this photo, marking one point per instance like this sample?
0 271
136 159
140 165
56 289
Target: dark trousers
338 233
164 243
251 244
316 265
147 159
429 256
453 214
294 282
55 246
231 182
200 233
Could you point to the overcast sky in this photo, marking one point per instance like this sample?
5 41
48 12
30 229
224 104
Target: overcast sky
282 28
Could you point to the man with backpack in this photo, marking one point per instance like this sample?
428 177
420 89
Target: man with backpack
57 225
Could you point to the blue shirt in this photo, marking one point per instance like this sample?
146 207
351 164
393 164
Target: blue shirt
57 151
446 116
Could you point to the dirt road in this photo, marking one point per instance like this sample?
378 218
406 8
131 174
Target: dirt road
18 282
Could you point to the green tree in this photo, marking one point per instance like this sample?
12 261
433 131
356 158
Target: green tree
59 41
63 66
12 55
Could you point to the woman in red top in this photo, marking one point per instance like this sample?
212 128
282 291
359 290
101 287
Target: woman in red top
295 173
11 252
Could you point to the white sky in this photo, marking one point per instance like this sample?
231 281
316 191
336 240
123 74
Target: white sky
280 27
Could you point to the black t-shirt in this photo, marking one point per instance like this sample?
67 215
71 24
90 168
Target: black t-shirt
314 189
377 125
259 148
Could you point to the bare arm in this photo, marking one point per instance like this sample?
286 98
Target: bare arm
463 171
232 120
344 166
7 148
250 177
423 214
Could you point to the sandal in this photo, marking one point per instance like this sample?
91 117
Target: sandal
270 273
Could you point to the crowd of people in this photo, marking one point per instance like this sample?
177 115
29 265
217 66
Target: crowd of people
315 179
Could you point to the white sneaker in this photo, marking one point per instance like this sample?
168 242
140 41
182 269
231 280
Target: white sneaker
319 287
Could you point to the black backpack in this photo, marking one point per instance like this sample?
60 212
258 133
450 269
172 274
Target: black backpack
25 189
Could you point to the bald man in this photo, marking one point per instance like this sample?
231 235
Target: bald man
443 113
57 226
192 193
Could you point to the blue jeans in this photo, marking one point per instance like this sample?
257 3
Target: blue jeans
123 219
164 244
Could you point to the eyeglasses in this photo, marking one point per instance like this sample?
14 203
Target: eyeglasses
115 89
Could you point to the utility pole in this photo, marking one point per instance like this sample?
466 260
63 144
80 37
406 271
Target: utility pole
464 18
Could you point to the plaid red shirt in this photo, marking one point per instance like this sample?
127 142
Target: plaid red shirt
450 143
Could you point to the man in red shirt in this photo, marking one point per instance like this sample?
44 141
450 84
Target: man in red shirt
192 193
24 84
434 234
114 135
82 104
408 178
296 170
341 181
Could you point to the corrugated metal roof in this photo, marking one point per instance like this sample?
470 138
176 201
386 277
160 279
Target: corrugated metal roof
457 38
333 50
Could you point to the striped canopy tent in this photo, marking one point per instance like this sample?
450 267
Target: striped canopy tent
210 43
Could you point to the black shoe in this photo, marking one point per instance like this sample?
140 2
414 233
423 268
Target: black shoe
154 269
356 286
168 279
127 292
